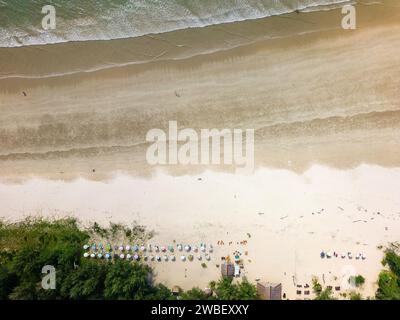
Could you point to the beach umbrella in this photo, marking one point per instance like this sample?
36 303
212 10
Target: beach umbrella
195 249
136 257
157 249
343 255
128 256
208 292
108 247
94 247
158 258
128 248
135 248
328 254
151 258
149 248
85 247
93 255
199 257
121 248
142 248
122 256
208 258
203 249
183 258
322 254
187 248
363 256
99 256
172 258
190 257
166 258
175 290
179 247
171 248
86 254
163 249
101 246
107 256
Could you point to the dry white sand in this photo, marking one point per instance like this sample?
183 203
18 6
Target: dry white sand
290 218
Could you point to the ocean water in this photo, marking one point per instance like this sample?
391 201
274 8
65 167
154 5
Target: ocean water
77 20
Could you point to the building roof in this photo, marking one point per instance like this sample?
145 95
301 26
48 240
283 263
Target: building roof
269 284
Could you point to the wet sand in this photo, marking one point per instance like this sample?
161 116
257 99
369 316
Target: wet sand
313 98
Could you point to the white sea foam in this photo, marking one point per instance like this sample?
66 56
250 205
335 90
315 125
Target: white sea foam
140 17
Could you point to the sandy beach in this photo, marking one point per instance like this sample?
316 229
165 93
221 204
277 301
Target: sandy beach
290 218
325 106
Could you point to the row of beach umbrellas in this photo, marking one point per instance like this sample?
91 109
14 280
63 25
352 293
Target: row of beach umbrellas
149 248
136 257
349 255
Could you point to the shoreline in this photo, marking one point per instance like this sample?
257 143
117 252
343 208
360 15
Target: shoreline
177 45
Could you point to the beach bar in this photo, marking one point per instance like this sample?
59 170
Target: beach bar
227 269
